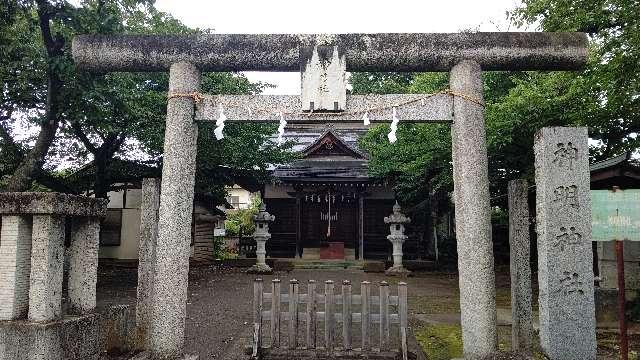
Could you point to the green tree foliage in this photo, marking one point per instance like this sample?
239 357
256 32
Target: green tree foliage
419 160
240 222
99 117
604 96
609 101
20 49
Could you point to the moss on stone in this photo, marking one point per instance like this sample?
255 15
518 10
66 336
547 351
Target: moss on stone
440 342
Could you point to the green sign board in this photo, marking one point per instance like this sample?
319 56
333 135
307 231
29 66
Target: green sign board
615 215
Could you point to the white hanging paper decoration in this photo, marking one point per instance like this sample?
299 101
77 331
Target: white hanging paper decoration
283 123
394 126
365 119
220 124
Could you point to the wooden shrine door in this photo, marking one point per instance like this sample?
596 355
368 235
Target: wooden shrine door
333 236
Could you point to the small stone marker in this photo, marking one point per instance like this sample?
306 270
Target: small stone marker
520 256
261 235
565 263
397 237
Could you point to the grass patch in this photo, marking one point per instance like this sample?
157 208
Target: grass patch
440 342
503 297
434 305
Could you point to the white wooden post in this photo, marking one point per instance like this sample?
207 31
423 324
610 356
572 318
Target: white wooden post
275 313
257 315
384 316
402 314
312 319
346 314
328 314
365 293
293 314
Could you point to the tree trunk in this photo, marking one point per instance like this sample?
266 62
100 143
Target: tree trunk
102 182
31 165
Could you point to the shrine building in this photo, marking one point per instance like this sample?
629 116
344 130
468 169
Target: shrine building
326 205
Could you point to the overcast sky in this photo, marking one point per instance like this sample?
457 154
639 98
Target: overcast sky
335 17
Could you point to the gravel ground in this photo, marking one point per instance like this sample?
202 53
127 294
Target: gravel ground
219 307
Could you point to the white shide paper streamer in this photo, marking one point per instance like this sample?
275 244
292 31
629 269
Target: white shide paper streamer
220 124
283 123
394 126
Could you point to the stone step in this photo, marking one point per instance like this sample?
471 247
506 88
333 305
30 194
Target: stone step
327 264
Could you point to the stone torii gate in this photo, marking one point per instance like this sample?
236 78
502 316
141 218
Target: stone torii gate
323 61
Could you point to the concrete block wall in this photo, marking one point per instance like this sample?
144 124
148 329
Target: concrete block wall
84 337
15 260
608 269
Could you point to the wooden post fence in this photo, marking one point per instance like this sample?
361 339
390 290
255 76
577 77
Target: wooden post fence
257 315
375 314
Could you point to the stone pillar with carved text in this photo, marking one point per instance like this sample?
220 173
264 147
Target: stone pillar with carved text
565 260
472 211
171 263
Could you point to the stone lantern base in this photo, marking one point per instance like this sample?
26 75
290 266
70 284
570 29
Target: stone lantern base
397 271
260 269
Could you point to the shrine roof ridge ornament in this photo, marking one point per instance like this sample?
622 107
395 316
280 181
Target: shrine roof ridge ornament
363 52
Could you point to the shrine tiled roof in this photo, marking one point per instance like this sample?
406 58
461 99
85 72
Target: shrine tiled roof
329 154
610 162
305 135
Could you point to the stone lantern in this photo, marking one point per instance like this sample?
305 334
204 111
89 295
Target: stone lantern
397 237
261 235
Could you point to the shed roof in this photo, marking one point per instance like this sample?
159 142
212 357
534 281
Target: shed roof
619 171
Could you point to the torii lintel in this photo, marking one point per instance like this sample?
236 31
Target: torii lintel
362 52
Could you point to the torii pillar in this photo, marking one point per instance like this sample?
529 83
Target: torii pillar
473 213
171 267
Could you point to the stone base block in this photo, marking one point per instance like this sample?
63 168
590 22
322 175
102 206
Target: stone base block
311 253
397 271
71 338
502 356
145 355
118 329
260 269
283 265
322 354
606 302
374 266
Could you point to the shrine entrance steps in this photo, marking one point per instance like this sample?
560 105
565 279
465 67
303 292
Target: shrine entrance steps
327 264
